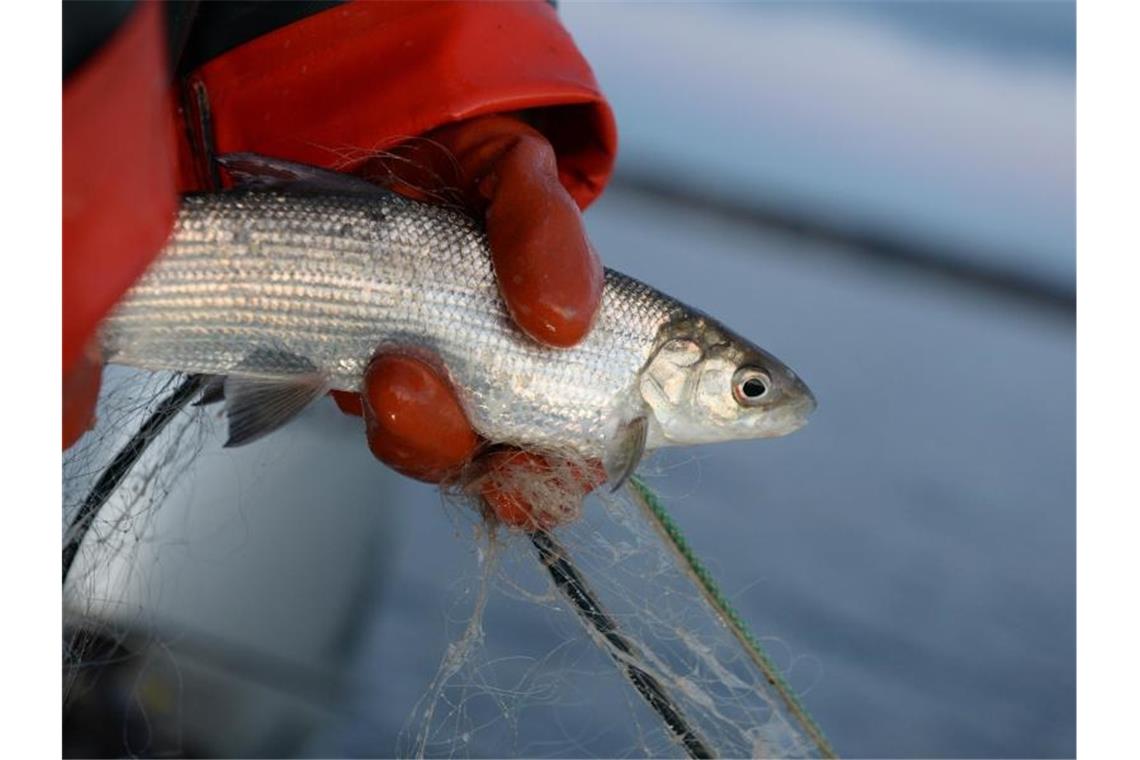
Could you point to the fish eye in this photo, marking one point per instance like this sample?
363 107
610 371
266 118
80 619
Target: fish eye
750 386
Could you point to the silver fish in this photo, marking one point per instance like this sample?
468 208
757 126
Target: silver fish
289 286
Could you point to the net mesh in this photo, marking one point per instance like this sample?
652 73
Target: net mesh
674 632
567 690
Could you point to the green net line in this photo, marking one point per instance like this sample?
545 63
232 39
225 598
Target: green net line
651 504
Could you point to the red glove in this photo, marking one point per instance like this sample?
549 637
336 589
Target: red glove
550 279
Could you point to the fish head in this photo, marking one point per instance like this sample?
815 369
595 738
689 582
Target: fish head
705 384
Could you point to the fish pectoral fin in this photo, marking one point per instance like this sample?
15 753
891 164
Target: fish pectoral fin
254 170
624 451
256 406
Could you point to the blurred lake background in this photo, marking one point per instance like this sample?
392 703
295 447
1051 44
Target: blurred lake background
882 194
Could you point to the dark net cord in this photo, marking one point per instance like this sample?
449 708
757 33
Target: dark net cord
573 586
122 464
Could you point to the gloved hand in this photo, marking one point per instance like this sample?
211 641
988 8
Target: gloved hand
548 274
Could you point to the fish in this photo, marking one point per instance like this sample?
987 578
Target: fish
286 286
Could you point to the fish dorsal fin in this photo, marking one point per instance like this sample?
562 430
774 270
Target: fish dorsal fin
625 449
258 404
257 171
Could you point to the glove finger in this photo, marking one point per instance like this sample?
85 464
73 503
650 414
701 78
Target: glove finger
548 273
348 402
505 171
414 422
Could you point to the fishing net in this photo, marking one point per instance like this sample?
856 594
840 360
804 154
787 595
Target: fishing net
115 479
636 652
637 608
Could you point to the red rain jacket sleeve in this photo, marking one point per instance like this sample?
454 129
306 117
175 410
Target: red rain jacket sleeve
119 170
343 82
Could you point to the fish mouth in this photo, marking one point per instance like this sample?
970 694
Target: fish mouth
806 403
799 408
797 395
792 415
792 422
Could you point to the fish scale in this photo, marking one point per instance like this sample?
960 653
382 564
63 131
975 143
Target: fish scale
271 282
